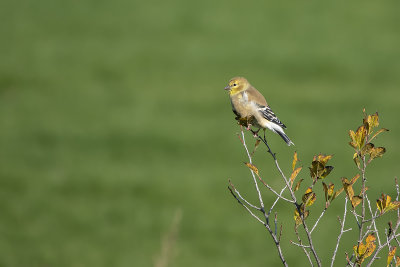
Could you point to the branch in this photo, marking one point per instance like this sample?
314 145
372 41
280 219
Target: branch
342 222
319 218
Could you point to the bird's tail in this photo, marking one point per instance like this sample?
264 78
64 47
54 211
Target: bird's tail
285 138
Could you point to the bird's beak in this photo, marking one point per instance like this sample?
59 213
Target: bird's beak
227 88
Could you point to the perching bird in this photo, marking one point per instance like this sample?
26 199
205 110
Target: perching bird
249 105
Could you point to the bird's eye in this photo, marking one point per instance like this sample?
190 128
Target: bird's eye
234 84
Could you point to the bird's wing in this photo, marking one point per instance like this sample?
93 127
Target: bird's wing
256 97
267 113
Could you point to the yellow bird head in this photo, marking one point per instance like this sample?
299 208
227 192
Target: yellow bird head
237 85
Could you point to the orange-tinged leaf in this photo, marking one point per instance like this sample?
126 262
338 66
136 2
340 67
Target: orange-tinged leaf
363 251
297 186
391 255
354 179
294 174
397 261
252 167
323 158
348 188
294 160
355 201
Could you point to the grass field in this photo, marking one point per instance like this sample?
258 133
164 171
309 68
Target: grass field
113 116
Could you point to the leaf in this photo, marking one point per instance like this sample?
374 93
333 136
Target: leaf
294 174
353 141
378 132
328 189
391 255
377 152
252 167
371 121
363 251
297 216
367 149
294 160
356 160
348 188
360 136
324 158
355 201
385 204
309 197
297 186
326 172
354 179
397 261
325 187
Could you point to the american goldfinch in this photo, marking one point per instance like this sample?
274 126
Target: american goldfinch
250 107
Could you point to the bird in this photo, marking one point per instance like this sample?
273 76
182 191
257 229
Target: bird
251 108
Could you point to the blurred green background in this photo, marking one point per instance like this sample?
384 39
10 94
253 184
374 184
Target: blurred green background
113 117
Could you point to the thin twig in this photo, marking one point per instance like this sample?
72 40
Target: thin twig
247 208
319 218
302 246
276 200
342 222
390 238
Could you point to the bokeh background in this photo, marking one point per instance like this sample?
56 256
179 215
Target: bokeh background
113 117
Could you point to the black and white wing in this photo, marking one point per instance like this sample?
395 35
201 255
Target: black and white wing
270 115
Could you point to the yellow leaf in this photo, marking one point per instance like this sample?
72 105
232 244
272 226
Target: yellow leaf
385 204
328 189
297 186
353 141
372 121
309 197
354 179
355 201
294 174
323 158
397 261
377 152
326 172
252 167
391 255
363 251
360 136
294 160
367 149
356 159
348 188
297 216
